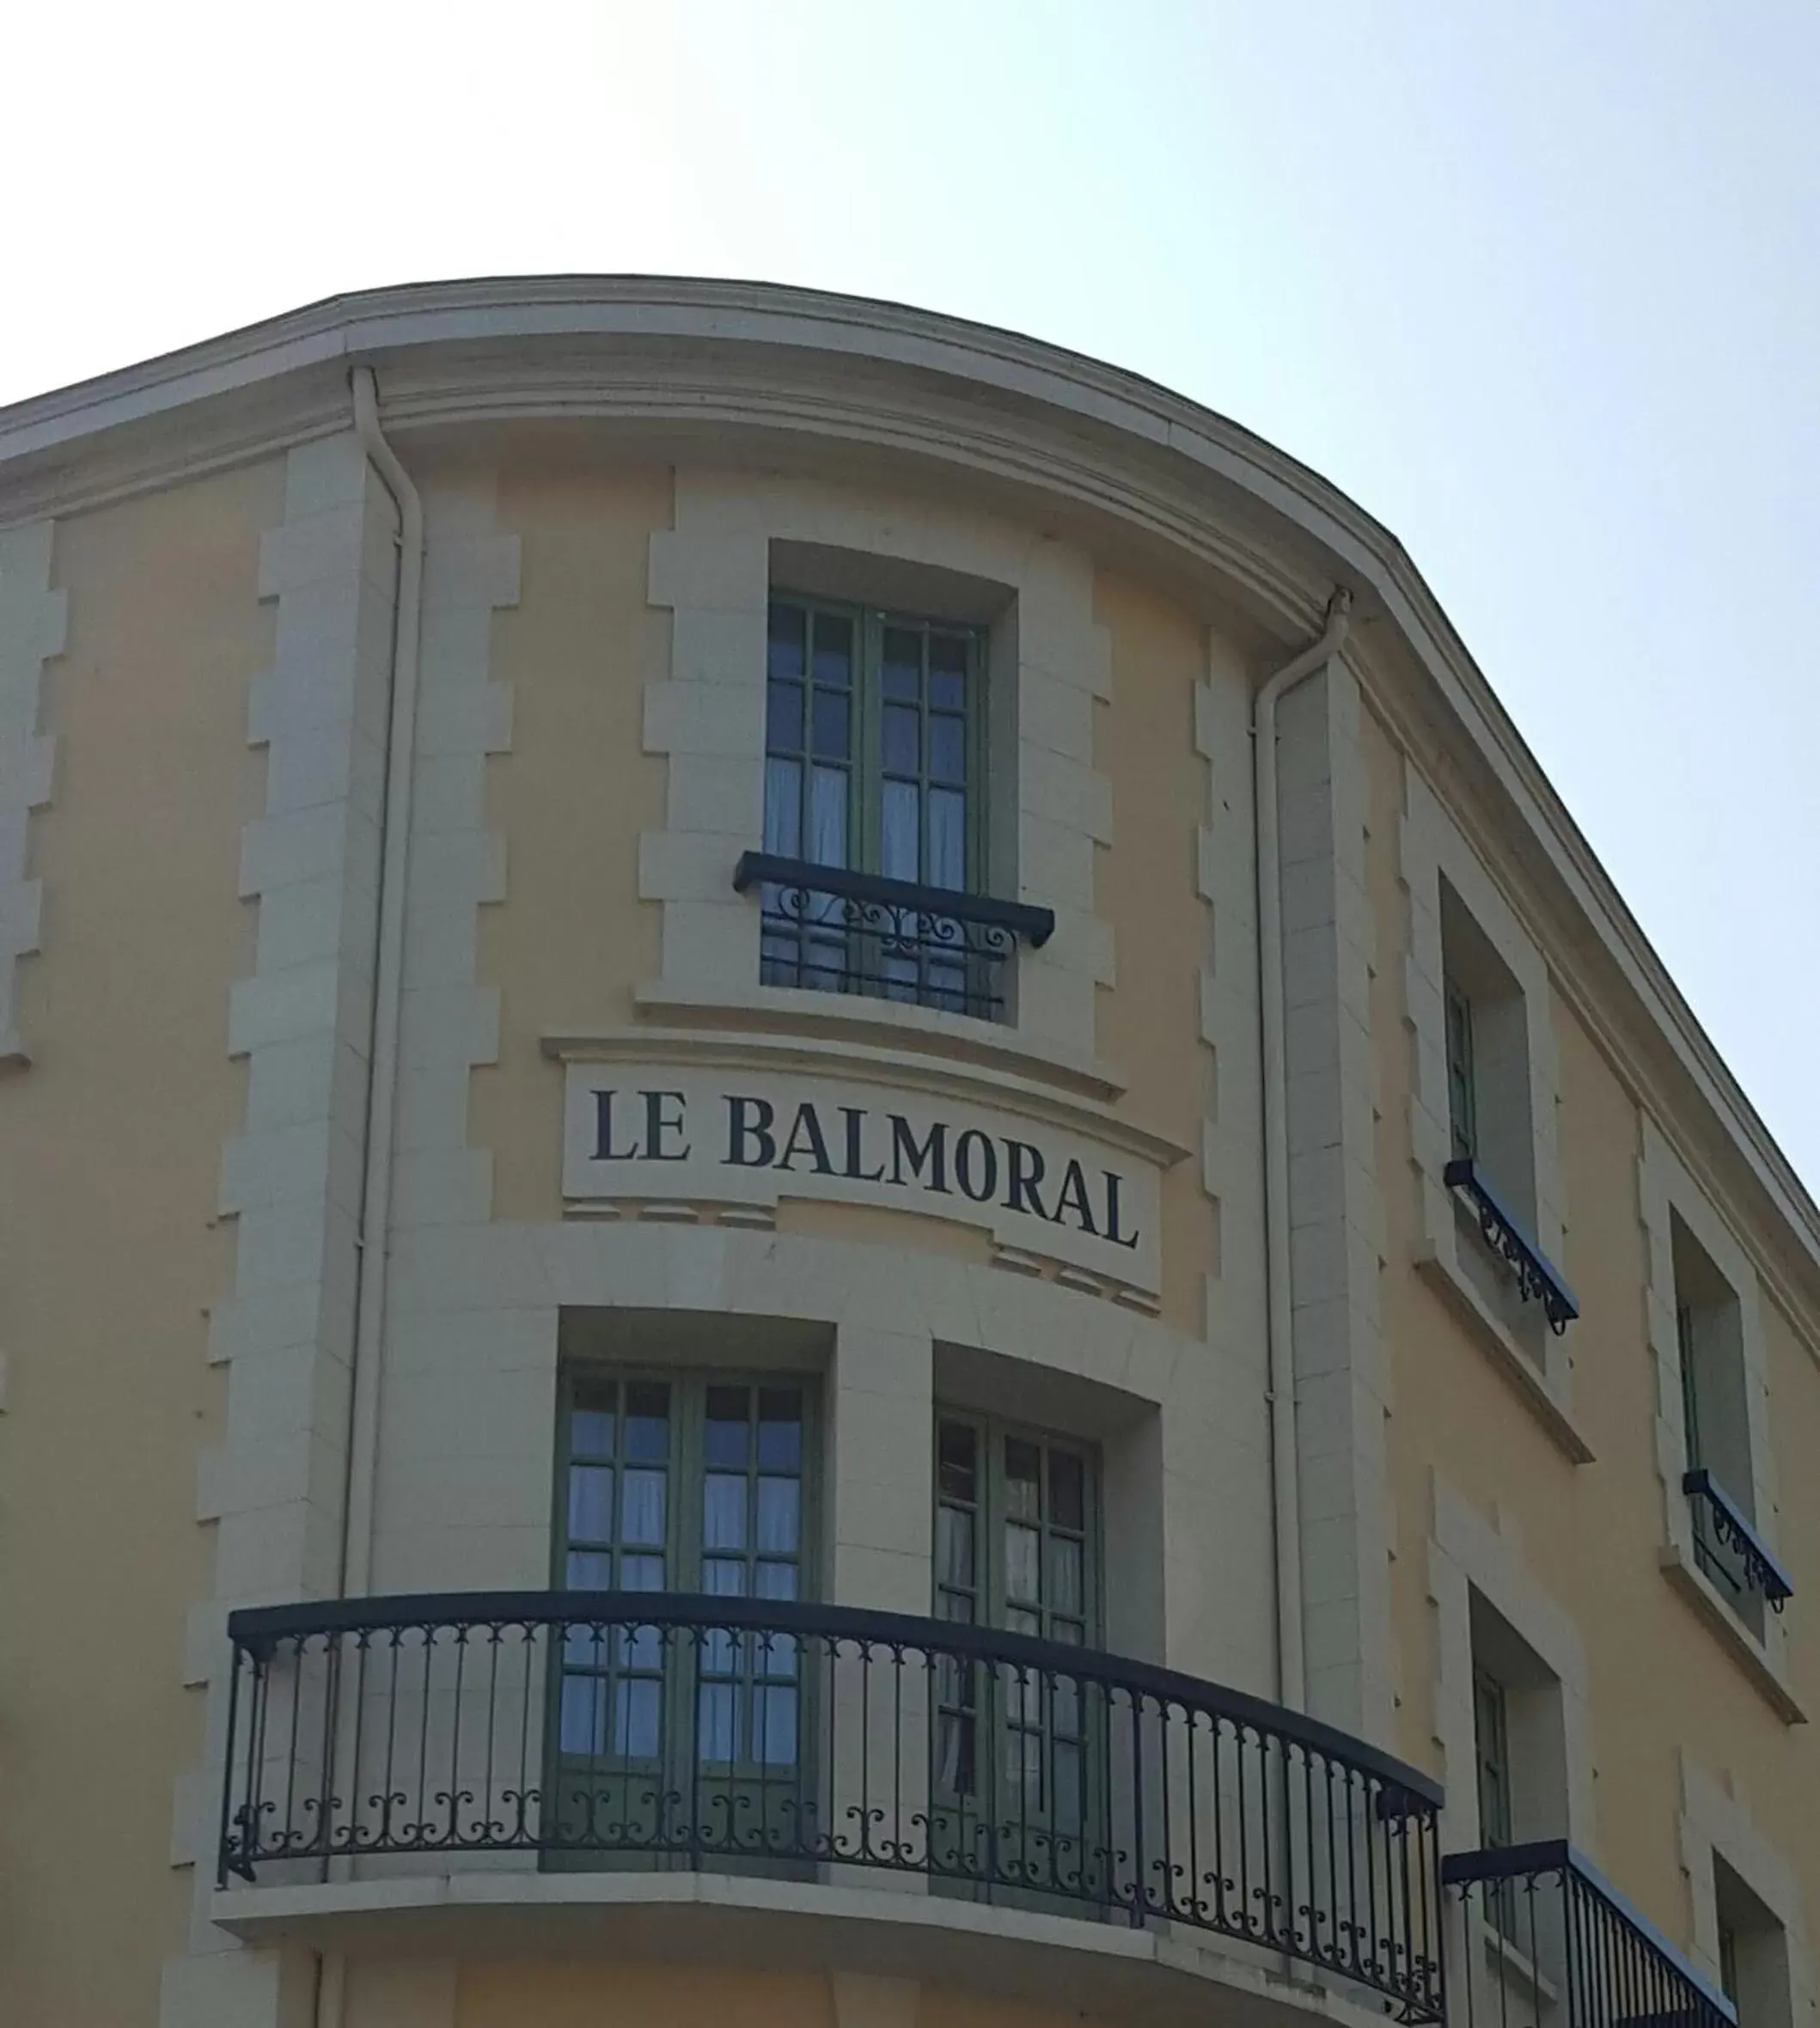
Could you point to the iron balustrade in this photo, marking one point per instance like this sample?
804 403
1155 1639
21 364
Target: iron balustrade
1729 1548
1536 1276
1548 1942
614 1729
836 931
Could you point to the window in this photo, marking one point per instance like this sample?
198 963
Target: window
874 766
1462 1103
1492 1740
872 736
1016 1535
1715 1410
1753 1952
683 1484
1520 1739
1489 1115
1492 1164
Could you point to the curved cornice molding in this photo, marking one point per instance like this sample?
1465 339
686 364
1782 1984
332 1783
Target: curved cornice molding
692 355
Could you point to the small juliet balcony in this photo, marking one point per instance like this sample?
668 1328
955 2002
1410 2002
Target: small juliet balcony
472 1761
1546 1941
830 928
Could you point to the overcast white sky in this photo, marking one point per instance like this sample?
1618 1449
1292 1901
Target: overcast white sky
1536 284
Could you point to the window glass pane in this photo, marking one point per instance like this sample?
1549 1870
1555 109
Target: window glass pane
636 1720
1023 1569
954 1547
590 1432
831 724
954 1755
1023 1479
730 1410
957 1449
1067 1504
784 658
1064 1574
780 1427
783 809
585 1646
584 1713
647 1422
827 817
642 1507
784 717
641 1573
947 839
1067 1800
776 1581
723 1511
947 749
1022 1619
902 740
1069 1630
588 1570
716 1739
590 1503
901 674
947 672
899 855
724 1577
778 1516
833 649
774 1726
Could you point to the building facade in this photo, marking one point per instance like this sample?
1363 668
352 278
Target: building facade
827 1196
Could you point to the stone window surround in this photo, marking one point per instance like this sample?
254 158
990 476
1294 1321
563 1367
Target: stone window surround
1432 847
1467 1553
1664 1188
713 569
1715 1818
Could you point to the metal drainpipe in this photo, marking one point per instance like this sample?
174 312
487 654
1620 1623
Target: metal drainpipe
1285 1491
375 1196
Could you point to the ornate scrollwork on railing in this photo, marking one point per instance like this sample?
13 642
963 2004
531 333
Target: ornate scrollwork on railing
1754 1565
743 1735
1535 1274
836 930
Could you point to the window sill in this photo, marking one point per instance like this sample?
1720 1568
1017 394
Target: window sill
1521 1372
995 1044
1764 1669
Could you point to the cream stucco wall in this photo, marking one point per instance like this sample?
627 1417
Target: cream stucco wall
111 1249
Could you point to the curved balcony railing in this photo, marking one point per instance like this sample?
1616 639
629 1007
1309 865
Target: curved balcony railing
831 929
608 1729
1550 1943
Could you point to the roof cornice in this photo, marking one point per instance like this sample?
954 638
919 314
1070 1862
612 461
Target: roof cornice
1118 444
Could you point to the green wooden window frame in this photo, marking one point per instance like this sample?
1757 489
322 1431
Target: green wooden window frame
1017 1546
1491 1747
1685 1328
697 1482
1463 1108
875 725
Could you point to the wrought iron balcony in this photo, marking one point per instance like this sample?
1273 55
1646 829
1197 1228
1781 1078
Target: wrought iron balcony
1729 1548
1549 1942
1537 1278
836 930
607 1729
